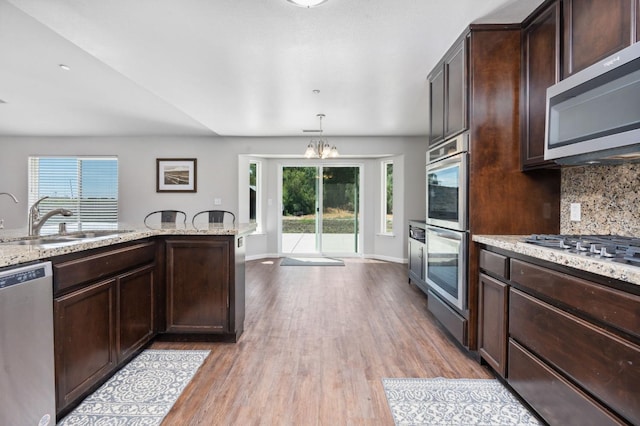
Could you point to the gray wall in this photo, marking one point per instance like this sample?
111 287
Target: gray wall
218 175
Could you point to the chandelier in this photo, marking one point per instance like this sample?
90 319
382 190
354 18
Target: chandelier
319 147
307 3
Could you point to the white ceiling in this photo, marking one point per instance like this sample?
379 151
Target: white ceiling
227 67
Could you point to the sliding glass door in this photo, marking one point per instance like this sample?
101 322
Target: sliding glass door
320 210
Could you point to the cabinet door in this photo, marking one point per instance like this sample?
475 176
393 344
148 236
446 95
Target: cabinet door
135 310
436 106
416 259
84 329
198 285
540 69
492 323
593 30
456 88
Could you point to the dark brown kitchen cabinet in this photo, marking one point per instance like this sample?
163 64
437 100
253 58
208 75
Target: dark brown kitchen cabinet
104 310
85 340
135 310
204 285
456 89
501 199
591 357
540 70
436 106
572 339
198 274
449 93
492 323
595 29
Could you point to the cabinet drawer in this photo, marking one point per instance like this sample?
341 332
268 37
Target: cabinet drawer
602 363
607 305
554 398
493 262
94 267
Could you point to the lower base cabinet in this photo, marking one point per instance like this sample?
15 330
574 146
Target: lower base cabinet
135 311
492 324
557 400
98 326
87 353
110 302
204 287
198 276
566 341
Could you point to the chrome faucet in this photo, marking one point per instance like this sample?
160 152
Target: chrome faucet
14 199
36 222
10 195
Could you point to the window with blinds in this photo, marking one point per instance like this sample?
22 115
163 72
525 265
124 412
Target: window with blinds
88 186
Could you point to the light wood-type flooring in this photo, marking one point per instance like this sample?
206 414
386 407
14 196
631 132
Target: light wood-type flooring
317 342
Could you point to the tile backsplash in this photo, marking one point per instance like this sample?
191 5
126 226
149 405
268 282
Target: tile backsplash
609 198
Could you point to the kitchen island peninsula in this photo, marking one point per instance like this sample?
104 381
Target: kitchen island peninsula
115 291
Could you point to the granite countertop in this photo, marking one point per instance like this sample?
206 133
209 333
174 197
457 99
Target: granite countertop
606 268
13 253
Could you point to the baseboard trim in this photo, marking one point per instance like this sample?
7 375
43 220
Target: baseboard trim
364 256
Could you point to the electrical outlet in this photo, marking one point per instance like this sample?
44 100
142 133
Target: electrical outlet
217 201
576 214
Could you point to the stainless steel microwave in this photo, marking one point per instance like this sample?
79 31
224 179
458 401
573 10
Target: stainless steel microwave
593 116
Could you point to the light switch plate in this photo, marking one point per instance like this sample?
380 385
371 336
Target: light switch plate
576 214
217 201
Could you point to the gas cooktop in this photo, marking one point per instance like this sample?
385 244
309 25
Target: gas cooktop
607 247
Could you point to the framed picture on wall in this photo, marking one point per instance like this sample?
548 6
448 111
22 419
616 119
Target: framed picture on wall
176 175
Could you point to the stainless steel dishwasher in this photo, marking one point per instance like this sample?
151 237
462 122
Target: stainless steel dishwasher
27 382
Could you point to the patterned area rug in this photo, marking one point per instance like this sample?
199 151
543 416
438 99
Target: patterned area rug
439 402
142 393
311 261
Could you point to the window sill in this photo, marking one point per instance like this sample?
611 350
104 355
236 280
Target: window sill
385 235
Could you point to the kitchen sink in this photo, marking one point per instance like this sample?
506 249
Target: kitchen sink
91 234
71 238
39 241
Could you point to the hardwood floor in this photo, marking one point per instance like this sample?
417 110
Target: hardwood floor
317 341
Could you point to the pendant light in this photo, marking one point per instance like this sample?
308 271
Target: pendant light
307 3
319 147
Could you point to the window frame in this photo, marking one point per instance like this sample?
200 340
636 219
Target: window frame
258 191
384 230
104 210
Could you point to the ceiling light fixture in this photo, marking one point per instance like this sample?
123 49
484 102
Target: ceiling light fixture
307 3
65 67
319 147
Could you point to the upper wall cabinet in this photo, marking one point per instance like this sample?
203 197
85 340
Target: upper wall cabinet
540 69
436 106
449 94
595 29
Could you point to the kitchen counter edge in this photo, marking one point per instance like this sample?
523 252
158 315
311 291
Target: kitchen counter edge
11 255
606 268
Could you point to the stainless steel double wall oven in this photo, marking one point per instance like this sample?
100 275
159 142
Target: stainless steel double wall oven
447 233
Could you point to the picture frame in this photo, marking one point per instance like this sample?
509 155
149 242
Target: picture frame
176 174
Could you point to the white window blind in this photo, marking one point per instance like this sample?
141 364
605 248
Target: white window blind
88 186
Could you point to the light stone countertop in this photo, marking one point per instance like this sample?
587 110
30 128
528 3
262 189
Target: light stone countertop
606 268
14 254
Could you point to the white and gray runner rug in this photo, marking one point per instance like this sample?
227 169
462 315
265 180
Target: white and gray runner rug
142 393
440 402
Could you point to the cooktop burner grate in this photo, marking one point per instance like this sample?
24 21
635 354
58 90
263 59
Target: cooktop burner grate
614 247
